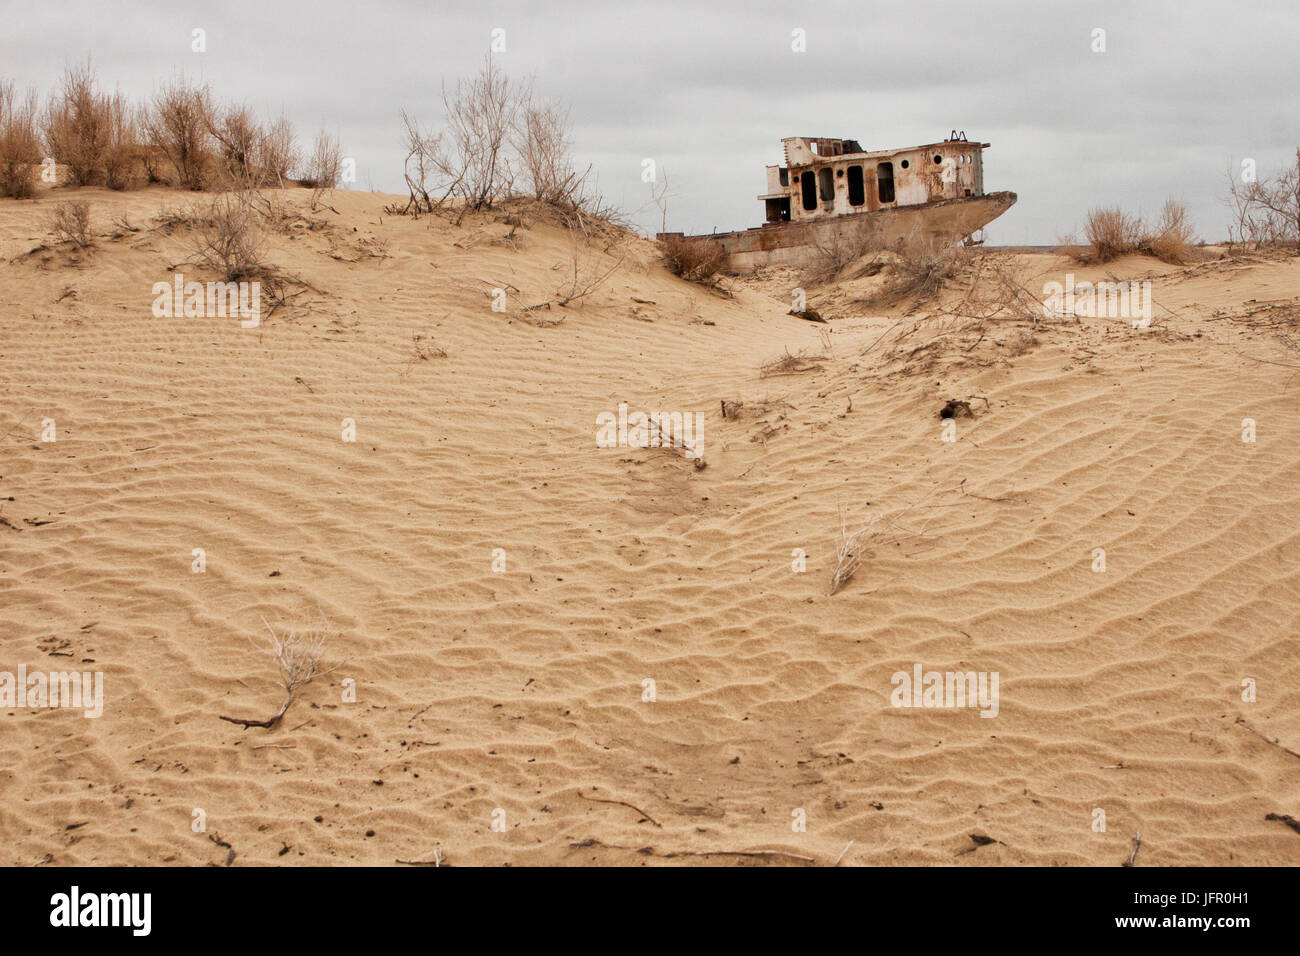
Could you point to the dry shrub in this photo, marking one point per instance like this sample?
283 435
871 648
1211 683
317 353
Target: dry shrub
278 151
879 531
542 144
418 168
788 364
297 659
1068 245
1266 211
471 155
76 124
179 127
696 260
1171 238
587 269
495 134
229 240
924 264
1112 233
324 166
833 258
20 141
251 155
468 160
122 146
70 222
238 137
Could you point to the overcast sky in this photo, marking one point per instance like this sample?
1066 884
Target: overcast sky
1183 91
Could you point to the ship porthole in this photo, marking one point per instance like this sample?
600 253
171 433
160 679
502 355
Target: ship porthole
904 164
937 159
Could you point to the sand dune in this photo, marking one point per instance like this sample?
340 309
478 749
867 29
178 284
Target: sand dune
522 690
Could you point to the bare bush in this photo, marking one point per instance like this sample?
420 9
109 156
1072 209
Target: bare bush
278 150
153 161
179 126
848 556
421 146
788 363
587 272
833 258
1266 211
1112 233
694 259
1170 239
324 166
297 658
925 263
229 240
541 141
853 548
20 141
76 124
122 145
468 160
70 222
238 137
472 154
496 142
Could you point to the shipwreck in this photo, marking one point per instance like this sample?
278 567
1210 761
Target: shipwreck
832 192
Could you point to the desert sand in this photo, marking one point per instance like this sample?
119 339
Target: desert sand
514 697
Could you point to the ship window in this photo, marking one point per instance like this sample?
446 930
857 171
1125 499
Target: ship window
808 184
778 210
905 164
857 195
885 181
785 177
827 183
937 159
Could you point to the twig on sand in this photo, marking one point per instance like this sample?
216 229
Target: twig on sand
1290 821
1272 740
971 494
651 851
436 861
15 428
418 713
1137 845
622 803
848 558
842 852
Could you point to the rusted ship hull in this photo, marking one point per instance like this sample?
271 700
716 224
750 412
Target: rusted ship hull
801 244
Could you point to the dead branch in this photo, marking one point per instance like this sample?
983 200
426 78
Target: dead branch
298 659
437 860
1272 740
651 851
1137 845
622 803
